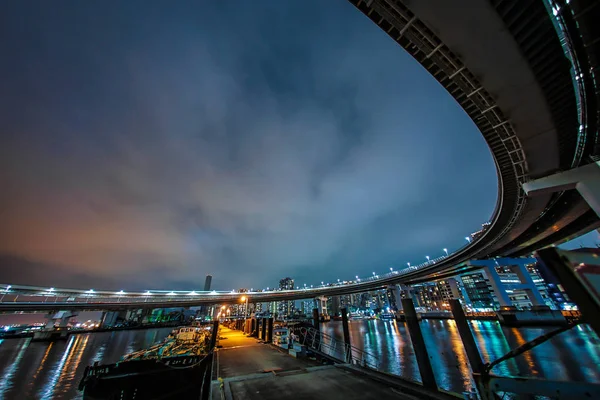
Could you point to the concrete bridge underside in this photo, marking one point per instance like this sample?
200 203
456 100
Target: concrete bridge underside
504 64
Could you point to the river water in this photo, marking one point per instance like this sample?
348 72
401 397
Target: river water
53 370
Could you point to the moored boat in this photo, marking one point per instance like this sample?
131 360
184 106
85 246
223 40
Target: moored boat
177 368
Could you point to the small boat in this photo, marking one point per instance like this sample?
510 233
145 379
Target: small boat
177 368
50 335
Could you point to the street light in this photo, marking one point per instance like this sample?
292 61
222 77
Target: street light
408 264
245 298
468 239
446 250
391 269
427 258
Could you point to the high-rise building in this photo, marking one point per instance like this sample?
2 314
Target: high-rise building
207 283
285 308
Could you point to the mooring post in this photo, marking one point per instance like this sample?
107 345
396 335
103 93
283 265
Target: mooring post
270 331
316 318
215 335
348 346
416 337
466 336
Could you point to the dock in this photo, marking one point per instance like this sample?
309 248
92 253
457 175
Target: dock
247 368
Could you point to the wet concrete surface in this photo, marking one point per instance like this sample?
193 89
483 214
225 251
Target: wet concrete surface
245 368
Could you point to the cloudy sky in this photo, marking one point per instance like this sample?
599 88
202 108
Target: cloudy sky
145 144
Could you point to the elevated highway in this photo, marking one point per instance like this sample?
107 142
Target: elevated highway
525 72
16 298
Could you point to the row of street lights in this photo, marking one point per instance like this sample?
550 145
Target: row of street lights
376 276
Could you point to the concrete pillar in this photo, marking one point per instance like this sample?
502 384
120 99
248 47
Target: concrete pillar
395 289
497 285
62 317
586 180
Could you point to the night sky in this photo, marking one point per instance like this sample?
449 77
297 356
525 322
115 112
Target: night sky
145 144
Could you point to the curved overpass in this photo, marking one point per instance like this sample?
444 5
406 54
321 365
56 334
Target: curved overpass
524 72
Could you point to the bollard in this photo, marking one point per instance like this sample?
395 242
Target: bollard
270 331
466 336
263 333
316 318
215 335
348 351
416 338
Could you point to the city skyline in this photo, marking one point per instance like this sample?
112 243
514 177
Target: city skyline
143 155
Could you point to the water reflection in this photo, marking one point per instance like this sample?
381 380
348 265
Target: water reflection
573 355
53 370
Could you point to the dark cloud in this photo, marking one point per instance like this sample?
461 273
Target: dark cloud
148 143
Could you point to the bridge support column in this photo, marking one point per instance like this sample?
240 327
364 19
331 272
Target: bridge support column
395 289
316 318
62 317
586 180
409 293
321 304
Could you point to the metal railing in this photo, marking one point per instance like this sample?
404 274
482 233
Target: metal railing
329 346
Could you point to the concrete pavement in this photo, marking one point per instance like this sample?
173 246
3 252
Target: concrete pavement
246 368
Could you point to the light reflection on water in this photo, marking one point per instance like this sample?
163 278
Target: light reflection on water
573 355
53 370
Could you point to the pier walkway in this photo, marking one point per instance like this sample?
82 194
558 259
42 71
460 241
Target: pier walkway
246 368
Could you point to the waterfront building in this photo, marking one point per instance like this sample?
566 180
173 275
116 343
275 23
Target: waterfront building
333 306
285 308
307 306
346 301
479 293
